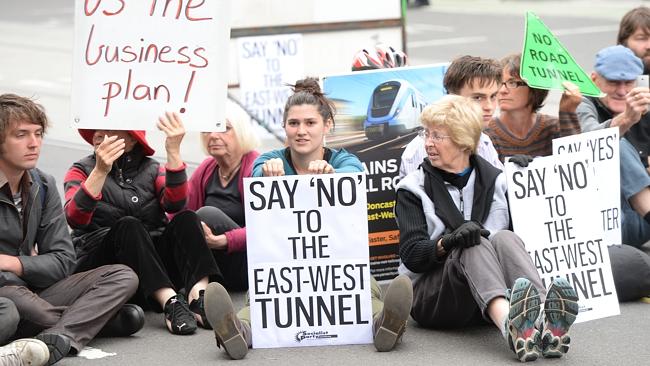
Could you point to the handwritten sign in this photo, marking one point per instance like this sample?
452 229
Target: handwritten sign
134 60
554 210
601 149
308 269
266 65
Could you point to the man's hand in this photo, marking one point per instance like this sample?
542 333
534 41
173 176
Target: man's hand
9 263
273 168
637 102
320 167
571 97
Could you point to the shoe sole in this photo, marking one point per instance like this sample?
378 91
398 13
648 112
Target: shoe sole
560 310
56 345
524 311
221 315
397 307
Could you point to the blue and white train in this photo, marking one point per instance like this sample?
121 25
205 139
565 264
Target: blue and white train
394 109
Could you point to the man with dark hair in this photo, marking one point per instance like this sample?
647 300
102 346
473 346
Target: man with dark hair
472 77
36 252
634 33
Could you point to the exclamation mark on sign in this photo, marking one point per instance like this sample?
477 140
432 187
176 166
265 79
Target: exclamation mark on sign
188 89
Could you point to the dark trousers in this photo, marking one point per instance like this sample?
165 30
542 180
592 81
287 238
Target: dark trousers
457 293
9 319
233 266
177 258
78 306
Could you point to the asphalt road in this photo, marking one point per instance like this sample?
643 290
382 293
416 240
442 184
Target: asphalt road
36 53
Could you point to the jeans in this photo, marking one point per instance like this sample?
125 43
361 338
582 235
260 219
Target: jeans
635 230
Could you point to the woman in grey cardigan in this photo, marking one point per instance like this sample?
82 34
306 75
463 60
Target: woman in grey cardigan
454 243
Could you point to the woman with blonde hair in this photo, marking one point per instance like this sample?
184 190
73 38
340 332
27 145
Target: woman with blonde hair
455 244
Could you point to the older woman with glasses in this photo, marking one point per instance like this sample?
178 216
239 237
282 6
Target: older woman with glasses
453 217
520 129
216 193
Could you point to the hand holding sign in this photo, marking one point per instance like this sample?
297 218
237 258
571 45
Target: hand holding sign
273 168
571 97
172 125
320 167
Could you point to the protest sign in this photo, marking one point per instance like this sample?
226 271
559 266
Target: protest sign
266 65
554 210
377 115
601 149
134 60
546 64
308 270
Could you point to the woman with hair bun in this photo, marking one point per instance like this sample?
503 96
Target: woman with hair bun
308 117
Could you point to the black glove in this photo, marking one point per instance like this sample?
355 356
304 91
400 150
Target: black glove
466 235
521 160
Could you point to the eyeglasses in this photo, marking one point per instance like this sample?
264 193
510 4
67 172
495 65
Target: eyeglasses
425 135
513 84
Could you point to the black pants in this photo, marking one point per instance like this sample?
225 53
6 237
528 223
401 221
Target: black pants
177 258
233 266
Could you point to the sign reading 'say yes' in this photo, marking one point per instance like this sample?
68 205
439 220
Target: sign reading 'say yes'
134 60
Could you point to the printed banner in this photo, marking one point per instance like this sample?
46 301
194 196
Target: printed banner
378 114
601 151
546 64
266 65
308 269
554 207
134 60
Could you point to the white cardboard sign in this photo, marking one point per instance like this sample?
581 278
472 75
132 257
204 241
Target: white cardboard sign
308 266
601 149
266 65
134 60
554 207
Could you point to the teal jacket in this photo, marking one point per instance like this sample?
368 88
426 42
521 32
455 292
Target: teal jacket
341 160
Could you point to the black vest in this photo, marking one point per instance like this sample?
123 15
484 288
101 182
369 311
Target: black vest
128 191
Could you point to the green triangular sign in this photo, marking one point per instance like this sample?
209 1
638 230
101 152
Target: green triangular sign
545 63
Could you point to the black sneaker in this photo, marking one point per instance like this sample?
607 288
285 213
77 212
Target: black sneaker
178 312
198 307
560 311
57 344
523 336
128 320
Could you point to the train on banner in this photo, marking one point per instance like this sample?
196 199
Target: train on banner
378 115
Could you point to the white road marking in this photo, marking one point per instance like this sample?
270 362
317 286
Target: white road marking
446 41
91 353
585 30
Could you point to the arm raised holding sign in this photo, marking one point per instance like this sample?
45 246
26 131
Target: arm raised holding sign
116 203
308 117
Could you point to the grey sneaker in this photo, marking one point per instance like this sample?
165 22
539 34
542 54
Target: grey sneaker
229 331
390 324
523 336
560 311
24 352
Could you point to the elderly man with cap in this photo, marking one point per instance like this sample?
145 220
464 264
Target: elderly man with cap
623 105
116 203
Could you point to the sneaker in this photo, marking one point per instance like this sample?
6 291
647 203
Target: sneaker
57 344
390 323
198 308
128 320
523 336
23 352
229 331
560 311
181 318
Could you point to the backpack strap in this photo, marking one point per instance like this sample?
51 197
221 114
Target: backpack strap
42 192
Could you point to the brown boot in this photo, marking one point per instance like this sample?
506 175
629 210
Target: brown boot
232 333
390 323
